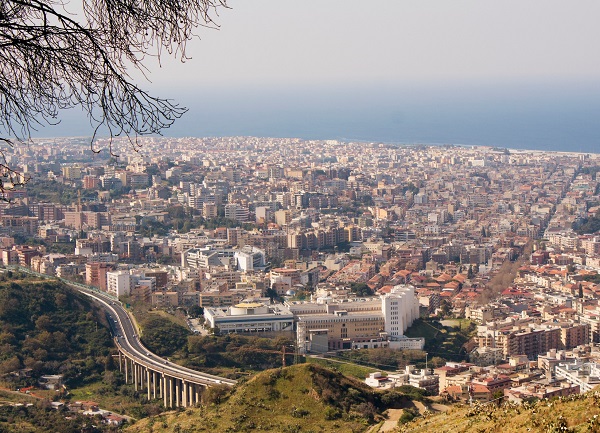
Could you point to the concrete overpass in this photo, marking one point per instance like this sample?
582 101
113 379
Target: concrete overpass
177 386
158 377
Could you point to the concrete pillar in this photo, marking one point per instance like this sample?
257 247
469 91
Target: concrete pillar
184 400
154 378
126 370
163 387
120 362
197 391
135 376
177 393
170 391
148 382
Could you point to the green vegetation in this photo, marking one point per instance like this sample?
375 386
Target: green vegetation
407 416
15 397
51 247
41 418
48 328
410 187
51 191
183 220
383 358
51 330
163 336
234 355
346 368
592 278
587 225
231 355
592 170
111 393
303 398
573 414
361 289
443 342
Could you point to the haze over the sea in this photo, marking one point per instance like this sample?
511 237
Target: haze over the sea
558 117
511 73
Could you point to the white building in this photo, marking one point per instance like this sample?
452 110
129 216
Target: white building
400 308
250 258
250 317
236 212
584 374
118 283
358 324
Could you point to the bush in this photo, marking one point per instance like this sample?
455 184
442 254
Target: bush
332 413
407 416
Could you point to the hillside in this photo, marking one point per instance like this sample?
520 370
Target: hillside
574 414
49 329
308 398
302 398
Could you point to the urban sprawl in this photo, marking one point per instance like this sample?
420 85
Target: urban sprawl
340 245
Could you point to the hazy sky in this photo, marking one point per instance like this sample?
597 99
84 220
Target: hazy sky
523 73
275 42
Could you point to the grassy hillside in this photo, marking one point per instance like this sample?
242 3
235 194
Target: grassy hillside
574 414
302 398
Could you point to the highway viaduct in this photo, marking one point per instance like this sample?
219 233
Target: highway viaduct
177 386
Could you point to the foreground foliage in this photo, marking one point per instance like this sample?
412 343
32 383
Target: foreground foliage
573 414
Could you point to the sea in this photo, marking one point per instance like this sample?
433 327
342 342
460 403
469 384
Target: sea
538 116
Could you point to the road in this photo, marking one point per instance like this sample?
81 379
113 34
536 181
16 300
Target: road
128 340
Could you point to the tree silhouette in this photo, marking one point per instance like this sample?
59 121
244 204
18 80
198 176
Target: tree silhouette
53 57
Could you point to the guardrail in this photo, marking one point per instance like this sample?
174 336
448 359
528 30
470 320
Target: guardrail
63 280
140 357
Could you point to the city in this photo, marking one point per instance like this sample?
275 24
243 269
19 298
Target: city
230 216
338 246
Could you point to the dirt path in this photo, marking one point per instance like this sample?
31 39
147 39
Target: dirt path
392 422
393 415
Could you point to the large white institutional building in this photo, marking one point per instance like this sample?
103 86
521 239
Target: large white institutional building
400 308
359 323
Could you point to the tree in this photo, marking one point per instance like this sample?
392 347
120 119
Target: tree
361 289
53 57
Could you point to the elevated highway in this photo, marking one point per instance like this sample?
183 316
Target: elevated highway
158 377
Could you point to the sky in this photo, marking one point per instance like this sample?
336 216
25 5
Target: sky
273 42
352 69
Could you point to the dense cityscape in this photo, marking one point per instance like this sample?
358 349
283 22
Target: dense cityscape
338 246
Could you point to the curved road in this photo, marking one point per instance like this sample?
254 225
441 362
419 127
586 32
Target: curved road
128 340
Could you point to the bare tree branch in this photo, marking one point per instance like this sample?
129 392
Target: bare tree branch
51 59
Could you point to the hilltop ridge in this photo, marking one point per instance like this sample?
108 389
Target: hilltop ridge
301 398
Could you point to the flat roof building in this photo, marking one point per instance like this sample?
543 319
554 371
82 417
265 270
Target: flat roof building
250 317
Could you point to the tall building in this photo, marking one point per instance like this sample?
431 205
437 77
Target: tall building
236 212
362 323
95 274
400 308
118 283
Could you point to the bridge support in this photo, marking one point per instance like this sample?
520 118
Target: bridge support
172 390
148 382
126 370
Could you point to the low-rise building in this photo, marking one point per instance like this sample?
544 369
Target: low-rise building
249 317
